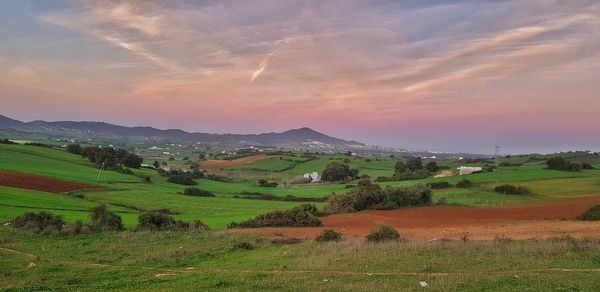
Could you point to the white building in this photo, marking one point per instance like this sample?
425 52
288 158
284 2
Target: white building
464 170
314 177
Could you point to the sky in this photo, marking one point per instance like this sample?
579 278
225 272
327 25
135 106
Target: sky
460 76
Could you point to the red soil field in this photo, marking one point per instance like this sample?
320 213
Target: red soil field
541 219
40 183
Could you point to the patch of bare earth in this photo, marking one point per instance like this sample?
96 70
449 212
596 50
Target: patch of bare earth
543 219
219 165
40 183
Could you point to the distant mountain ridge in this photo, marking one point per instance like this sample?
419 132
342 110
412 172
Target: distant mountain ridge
304 138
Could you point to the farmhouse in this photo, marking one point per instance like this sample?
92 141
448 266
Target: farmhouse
314 176
464 170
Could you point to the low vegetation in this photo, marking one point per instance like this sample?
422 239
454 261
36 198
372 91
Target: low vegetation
271 197
592 214
439 185
197 192
560 163
371 196
509 189
464 184
412 169
39 222
329 235
266 184
383 233
104 220
301 216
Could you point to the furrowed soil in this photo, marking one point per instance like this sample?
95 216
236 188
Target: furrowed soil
542 219
40 183
218 165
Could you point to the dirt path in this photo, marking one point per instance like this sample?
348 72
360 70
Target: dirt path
40 183
219 165
541 219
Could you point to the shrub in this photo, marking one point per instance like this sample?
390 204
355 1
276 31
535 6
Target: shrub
559 163
329 235
370 196
6 141
267 184
104 220
304 215
156 221
383 233
592 214
439 185
197 225
39 222
197 192
576 166
220 178
243 245
464 184
416 195
182 180
587 165
512 190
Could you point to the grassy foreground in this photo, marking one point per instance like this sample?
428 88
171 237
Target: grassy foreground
208 261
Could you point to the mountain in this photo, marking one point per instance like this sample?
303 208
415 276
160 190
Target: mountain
303 138
7 123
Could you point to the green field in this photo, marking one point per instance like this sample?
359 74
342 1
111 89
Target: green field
128 194
168 261
208 260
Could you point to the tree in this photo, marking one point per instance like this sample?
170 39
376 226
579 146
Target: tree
74 148
400 167
132 160
414 164
156 164
431 166
336 172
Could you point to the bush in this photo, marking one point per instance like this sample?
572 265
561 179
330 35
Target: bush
6 141
104 220
560 163
576 166
464 184
592 214
39 222
243 245
329 235
197 192
586 165
196 225
267 184
383 233
157 221
439 185
304 215
512 190
370 196
182 180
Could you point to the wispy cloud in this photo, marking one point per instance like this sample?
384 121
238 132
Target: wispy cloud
262 67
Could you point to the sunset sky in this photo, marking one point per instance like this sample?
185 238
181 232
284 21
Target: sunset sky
436 75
